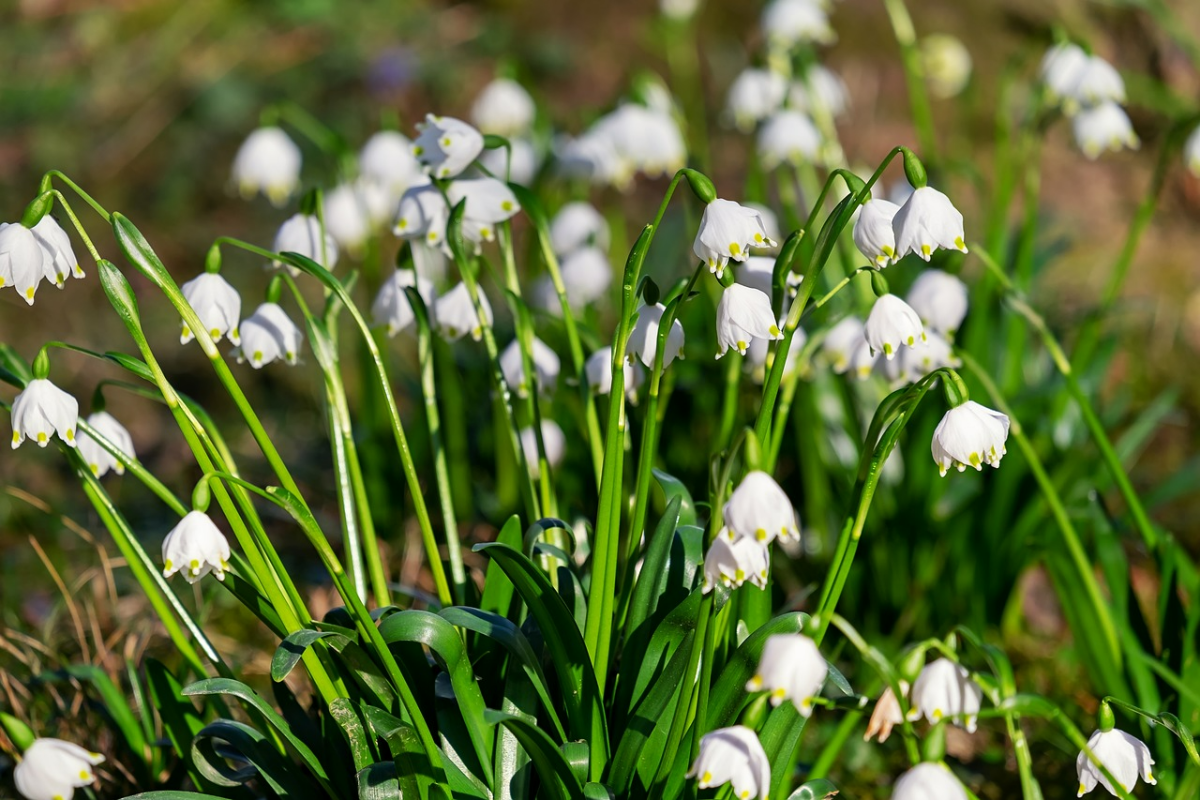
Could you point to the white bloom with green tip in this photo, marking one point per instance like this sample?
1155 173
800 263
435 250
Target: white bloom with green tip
391 308
892 324
598 370
1097 82
841 342
301 234
743 315
940 300
1102 128
787 23
195 547
446 146
733 560
268 162
970 435
1061 68
734 756
98 459
488 203
22 260
928 781
790 667
58 257
269 335
42 410
504 108
1126 757
759 509
944 690
926 222
455 315
727 231
216 303
873 233
52 769
643 339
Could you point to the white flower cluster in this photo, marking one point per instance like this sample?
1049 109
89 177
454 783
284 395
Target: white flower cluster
757 513
579 238
505 108
630 139
927 221
1090 91
30 255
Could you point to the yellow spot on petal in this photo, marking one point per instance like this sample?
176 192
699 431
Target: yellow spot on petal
741 346
925 250
402 223
735 248
84 775
739 575
937 714
41 437
706 777
758 237
168 564
774 330
507 205
779 694
258 355
974 459
16 437
187 332
888 349
888 250
960 244
418 150
911 341
756 682
761 534
95 468
446 141
29 292
195 565
215 333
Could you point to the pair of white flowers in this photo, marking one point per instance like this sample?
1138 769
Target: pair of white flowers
265 336
757 513
30 255
757 94
424 211
1090 91
42 410
928 221
452 313
579 237
630 139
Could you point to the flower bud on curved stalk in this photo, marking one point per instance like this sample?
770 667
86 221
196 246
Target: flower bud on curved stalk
269 335
42 410
1125 756
891 324
455 314
873 234
268 162
970 435
216 303
554 440
735 756
1103 127
944 689
728 231
791 667
546 365
301 233
446 146
926 222
196 547
927 781
99 460
940 300
643 339
759 509
744 315
52 769
732 560
391 308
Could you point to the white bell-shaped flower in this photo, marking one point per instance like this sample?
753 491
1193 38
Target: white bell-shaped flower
446 146
269 335
546 366
1126 757
756 356
1060 69
821 92
195 547
488 202
22 260
770 224
886 714
759 509
576 225
732 560
787 23
521 169
946 62
928 221
598 370
268 162
970 435
915 363
841 342
940 300
788 136
455 314
734 756
42 410
754 95
348 217
216 303
387 159
873 233
648 141
945 689
1103 127
99 460
52 769
594 157
422 216
757 272
301 233
728 231
891 324
791 667
391 308
553 440
1096 82
504 108
643 339
586 275
743 315
58 257
928 781
1191 152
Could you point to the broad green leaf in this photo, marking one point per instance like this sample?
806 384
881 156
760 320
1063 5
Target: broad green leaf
646 589
211 751
557 779
497 588
291 649
513 771
672 487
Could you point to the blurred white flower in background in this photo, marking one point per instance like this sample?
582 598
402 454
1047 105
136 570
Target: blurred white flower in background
946 63
267 162
643 339
1191 152
422 216
488 203
788 136
553 440
392 309
940 300
1103 127
598 370
575 225
546 366
788 23
504 108
455 314
819 91
926 781
387 159
446 146
52 769
269 335
99 460
754 95
523 167
301 233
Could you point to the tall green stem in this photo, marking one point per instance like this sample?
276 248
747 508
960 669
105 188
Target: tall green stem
914 74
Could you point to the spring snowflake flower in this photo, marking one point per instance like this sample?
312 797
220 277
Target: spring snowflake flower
743 315
756 356
22 260
586 275
970 435
945 689
352 211
269 335
1096 82
546 366
886 715
891 324
301 234
58 257
770 224
791 667
732 560
873 233
1191 152
646 140
946 62
1103 127
577 224
523 167
455 314
754 95
759 509
488 202
52 769
735 756
391 308
42 410
940 300
1125 756
197 547
643 339
728 231
598 370
841 342
915 363
387 159
99 460
446 146
554 441
926 781
268 162
1061 68
504 108
788 136
787 23
821 92
216 303
927 221
422 216
757 272
593 156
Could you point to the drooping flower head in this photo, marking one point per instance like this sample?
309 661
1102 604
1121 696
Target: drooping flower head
98 459
735 756
553 440
940 300
1061 67
22 260
727 231
391 308
576 225
488 203
58 257
759 509
732 560
387 159
754 95
643 339
598 370
1096 82
820 92
269 335
970 435
301 233
927 781
1103 127
504 108
873 233
422 216
788 136
791 667
349 215
267 162
944 689
52 769
646 140
455 314
446 146
787 23
196 547
891 324
926 222
42 410
744 314
216 303
546 366
1126 757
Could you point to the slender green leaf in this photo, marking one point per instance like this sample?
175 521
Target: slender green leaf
672 487
292 648
116 705
497 588
558 781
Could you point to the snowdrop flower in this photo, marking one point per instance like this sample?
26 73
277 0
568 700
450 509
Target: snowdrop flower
22 260
347 217
586 275
940 300
820 93
268 335
504 108
575 225
770 223
842 340
268 162
759 509
554 441
391 308
735 756
733 560
301 234
42 410
546 366
916 362
99 460
1103 127
593 156
743 315
728 231
788 23
873 234
197 547
429 262
1125 756
488 202
947 65
892 323
754 95
523 167
1061 68
446 146
422 216
643 339
927 221
1191 152
945 689
647 140
757 272
387 159
886 714
1096 82
58 257
788 136
52 769
598 370
970 435
926 781
216 303
455 314
792 667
